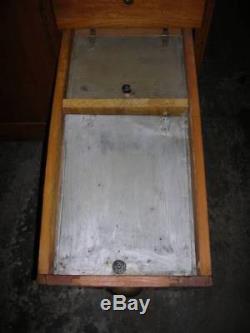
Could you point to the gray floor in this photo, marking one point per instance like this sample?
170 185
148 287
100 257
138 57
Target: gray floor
28 307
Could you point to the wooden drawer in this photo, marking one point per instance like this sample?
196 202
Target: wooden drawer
124 196
128 13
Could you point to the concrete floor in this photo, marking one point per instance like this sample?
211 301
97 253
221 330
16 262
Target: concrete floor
225 97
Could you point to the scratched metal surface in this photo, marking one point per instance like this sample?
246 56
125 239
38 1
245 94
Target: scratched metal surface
126 195
98 70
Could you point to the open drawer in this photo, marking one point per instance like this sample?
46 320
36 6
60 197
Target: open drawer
124 195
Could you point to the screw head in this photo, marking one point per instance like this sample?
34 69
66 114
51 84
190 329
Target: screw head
119 267
126 88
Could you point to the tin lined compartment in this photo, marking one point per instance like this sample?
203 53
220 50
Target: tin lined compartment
125 195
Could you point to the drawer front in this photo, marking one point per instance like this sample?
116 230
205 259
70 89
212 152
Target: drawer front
128 13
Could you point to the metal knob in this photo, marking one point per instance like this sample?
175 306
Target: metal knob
119 267
126 89
128 2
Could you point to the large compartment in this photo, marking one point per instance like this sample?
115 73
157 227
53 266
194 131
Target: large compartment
125 195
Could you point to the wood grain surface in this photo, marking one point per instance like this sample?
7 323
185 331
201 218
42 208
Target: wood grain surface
140 14
143 106
126 281
198 167
52 172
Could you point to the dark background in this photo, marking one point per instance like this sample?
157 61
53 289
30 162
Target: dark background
29 44
26 306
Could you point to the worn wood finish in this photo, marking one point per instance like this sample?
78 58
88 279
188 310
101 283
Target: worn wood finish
52 172
116 14
203 277
143 106
126 281
131 32
198 168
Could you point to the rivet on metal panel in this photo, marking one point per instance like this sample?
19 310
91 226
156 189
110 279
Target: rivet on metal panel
119 267
92 38
126 89
165 37
165 127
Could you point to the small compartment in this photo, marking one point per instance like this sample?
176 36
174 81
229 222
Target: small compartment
152 67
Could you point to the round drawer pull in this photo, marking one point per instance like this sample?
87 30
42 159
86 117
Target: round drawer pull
126 88
128 2
119 267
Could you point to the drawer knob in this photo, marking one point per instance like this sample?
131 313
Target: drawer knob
126 88
128 2
119 267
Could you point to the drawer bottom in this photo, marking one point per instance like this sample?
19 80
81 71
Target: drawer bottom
126 199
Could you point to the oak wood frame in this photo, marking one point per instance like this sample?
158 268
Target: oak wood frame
116 14
135 106
52 187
